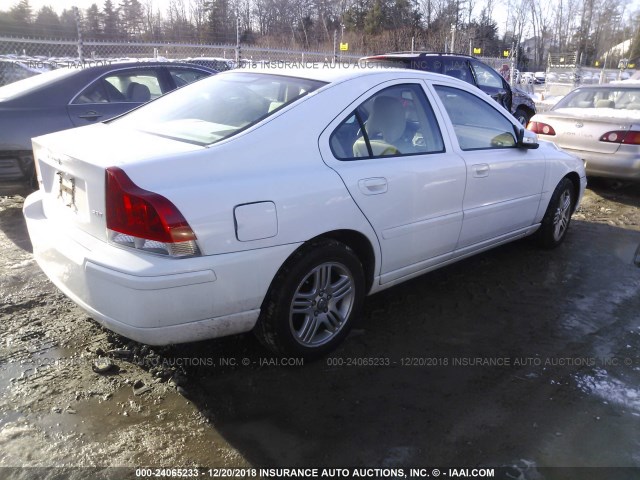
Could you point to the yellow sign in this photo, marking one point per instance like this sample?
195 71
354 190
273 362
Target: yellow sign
477 51
344 47
632 65
505 53
597 64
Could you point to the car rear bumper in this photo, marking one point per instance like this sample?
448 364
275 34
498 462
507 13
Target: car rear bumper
148 298
622 164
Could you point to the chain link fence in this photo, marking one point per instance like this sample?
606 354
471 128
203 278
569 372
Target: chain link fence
564 73
24 57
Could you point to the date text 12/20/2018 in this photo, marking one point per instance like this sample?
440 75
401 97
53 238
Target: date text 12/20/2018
263 473
386 362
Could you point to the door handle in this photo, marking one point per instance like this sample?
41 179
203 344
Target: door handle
90 115
373 186
480 170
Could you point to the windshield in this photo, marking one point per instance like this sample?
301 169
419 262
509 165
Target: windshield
218 107
612 98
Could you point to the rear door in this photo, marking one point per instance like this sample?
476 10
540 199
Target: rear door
395 162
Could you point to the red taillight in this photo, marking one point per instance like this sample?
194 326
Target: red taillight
541 128
141 219
630 137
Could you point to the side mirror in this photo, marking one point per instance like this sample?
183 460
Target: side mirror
526 139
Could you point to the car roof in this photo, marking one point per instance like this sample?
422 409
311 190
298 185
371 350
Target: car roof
416 54
335 74
618 85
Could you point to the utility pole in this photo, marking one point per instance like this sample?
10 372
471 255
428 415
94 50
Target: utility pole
238 55
76 12
453 39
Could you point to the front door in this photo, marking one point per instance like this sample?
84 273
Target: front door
504 182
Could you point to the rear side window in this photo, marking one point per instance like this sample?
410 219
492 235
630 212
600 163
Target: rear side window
478 126
182 76
136 86
457 68
396 121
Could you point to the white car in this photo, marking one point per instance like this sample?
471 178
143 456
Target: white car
275 201
540 77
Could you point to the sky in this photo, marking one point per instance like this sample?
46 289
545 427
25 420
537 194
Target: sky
59 5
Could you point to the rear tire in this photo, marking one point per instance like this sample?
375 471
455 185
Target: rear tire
313 300
557 218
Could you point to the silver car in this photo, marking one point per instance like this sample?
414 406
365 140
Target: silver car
601 125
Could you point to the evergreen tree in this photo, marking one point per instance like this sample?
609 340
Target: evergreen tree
92 21
110 20
21 13
68 23
47 23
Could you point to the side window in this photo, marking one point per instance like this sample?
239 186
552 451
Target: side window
476 123
396 121
137 86
458 68
183 76
486 76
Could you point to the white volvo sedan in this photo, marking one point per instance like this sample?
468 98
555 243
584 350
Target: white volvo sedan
274 201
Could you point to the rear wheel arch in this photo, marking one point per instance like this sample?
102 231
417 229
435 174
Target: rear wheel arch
362 247
356 241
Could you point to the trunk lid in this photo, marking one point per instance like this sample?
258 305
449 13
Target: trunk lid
71 169
581 129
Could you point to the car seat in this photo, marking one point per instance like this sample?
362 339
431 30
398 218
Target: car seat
385 128
139 93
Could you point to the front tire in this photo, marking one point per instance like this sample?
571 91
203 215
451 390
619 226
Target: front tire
522 116
313 301
555 222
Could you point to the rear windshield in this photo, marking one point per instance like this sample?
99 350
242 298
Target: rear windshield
218 107
610 98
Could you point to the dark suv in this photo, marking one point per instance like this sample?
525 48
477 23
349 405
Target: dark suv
466 68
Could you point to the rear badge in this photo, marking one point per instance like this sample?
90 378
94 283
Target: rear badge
579 124
67 190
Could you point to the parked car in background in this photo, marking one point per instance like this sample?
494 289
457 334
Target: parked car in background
540 77
466 68
601 125
527 78
12 70
274 201
73 97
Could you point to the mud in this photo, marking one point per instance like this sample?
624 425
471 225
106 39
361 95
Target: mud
517 357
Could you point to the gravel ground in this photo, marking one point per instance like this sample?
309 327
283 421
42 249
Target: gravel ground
516 357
